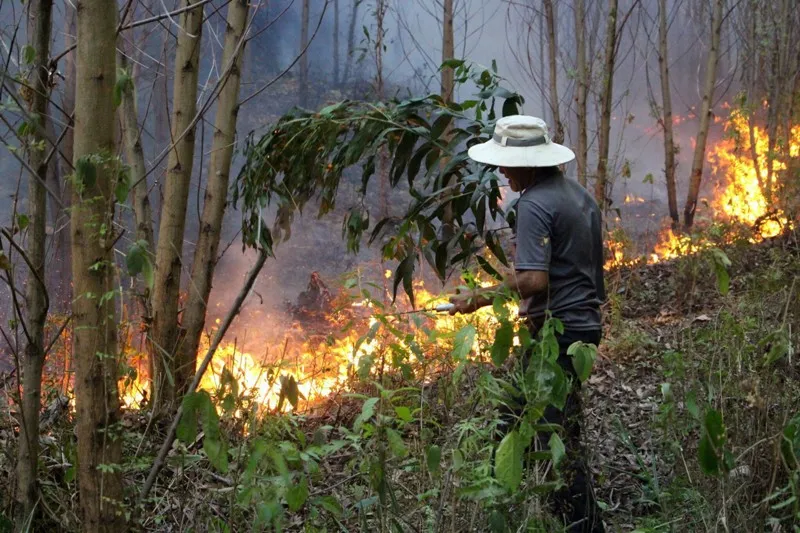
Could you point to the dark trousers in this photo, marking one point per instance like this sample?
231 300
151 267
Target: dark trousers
575 502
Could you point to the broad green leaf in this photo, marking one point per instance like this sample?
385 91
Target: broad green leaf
712 443
297 495
583 356
462 344
367 410
508 461
503 340
691 405
403 413
23 221
330 504
85 172
28 54
434 459
396 443
217 451
557 448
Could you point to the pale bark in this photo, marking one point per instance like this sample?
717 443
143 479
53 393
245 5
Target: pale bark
552 56
448 50
131 137
303 93
351 41
39 30
448 86
94 324
666 104
582 144
698 159
205 255
336 62
606 94
165 334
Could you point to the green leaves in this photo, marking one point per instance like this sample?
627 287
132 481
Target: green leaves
583 357
711 451
198 405
297 495
463 342
721 265
138 261
508 461
85 172
503 340
28 54
124 85
557 448
433 458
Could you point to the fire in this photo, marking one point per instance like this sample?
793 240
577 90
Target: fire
742 198
320 365
630 199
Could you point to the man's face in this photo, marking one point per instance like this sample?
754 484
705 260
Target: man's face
517 177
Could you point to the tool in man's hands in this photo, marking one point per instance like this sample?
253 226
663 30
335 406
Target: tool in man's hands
441 308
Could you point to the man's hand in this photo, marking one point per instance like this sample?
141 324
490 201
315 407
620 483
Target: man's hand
466 303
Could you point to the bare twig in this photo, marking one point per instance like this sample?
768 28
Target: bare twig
173 428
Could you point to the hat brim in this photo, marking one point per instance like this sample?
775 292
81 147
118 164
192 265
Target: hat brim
543 155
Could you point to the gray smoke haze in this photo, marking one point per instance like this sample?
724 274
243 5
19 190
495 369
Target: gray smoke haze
486 31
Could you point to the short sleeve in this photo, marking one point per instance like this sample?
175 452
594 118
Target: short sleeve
534 236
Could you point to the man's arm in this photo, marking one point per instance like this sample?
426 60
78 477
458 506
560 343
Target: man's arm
525 283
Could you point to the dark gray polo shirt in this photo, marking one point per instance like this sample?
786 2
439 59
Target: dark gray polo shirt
559 231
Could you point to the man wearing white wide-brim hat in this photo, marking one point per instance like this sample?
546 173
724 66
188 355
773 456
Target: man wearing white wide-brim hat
558 268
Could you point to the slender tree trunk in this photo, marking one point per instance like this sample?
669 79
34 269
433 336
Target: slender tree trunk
64 296
607 90
351 41
131 136
448 50
205 255
303 95
666 102
705 118
94 323
582 90
336 43
448 86
39 30
552 56
58 274
166 335
383 160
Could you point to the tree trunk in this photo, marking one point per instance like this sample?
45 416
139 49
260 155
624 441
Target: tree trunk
94 323
64 296
607 89
705 118
383 159
666 102
39 30
131 136
303 94
335 43
205 255
582 90
552 51
351 41
448 51
448 86
165 335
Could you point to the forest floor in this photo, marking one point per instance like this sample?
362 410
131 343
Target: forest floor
675 347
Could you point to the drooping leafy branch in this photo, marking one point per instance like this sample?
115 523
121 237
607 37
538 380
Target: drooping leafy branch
304 155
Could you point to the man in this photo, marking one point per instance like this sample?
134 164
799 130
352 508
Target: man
558 268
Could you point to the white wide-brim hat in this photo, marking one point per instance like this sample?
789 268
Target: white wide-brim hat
521 141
